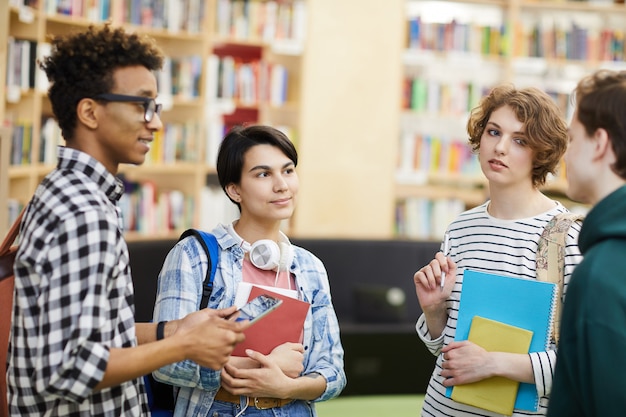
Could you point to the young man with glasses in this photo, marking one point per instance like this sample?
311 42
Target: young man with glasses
75 348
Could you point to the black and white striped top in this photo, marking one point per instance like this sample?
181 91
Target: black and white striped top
481 242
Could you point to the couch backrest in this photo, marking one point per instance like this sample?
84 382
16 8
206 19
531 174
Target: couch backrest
351 265
146 260
354 265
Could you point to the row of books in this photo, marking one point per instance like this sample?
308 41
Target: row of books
23 3
440 97
49 140
575 43
520 40
266 21
216 208
180 76
148 210
15 208
151 211
457 36
422 154
249 83
171 15
175 142
92 10
435 97
22 71
425 218
21 143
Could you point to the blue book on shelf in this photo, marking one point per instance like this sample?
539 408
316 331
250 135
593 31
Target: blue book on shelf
519 302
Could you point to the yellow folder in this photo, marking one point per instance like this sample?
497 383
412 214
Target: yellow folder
497 393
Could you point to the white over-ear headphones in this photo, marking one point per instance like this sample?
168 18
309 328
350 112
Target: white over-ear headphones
265 253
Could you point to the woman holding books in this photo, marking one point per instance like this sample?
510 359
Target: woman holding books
256 169
520 137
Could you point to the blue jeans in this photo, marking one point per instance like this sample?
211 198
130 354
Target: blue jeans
293 409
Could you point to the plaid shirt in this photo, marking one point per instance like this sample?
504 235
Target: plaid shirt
179 293
73 297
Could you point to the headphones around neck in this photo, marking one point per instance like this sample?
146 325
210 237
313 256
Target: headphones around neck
265 253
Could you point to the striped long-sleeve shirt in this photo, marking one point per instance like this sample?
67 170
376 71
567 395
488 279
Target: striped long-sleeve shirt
508 247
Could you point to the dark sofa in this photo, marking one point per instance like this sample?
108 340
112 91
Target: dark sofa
369 279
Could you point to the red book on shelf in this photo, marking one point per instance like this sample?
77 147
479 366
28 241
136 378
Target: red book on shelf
285 324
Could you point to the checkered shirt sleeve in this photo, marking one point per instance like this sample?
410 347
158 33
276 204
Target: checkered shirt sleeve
74 297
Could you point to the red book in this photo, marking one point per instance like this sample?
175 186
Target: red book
285 324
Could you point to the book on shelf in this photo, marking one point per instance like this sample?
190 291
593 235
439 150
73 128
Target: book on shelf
176 142
215 207
265 21
285 324
21 143
278 85
497 393
49 141
148 210
525 303
424 218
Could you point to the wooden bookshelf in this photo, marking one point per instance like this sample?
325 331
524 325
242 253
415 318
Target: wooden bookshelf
5 149
340 108
485 43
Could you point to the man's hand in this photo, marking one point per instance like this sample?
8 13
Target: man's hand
206 337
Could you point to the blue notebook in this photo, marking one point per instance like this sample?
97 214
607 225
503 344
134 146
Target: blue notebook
519 302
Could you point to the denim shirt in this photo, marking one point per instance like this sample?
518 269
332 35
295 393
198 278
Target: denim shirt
179 293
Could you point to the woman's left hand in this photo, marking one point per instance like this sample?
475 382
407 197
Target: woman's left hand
290 358
266 381
465 362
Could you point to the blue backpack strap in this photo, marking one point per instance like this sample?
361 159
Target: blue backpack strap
209 244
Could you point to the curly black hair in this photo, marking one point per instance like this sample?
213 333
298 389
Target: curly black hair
82 65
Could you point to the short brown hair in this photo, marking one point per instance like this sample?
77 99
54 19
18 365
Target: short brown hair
601 104
544 126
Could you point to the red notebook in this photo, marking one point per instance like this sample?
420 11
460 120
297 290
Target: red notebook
285 324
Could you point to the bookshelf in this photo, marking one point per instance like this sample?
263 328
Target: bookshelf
26 108
454 52
5 149
340 107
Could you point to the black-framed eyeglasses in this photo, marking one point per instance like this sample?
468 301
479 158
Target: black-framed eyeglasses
150 106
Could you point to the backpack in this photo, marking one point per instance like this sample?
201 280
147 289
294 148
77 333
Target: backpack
161 396
7 281
550 260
